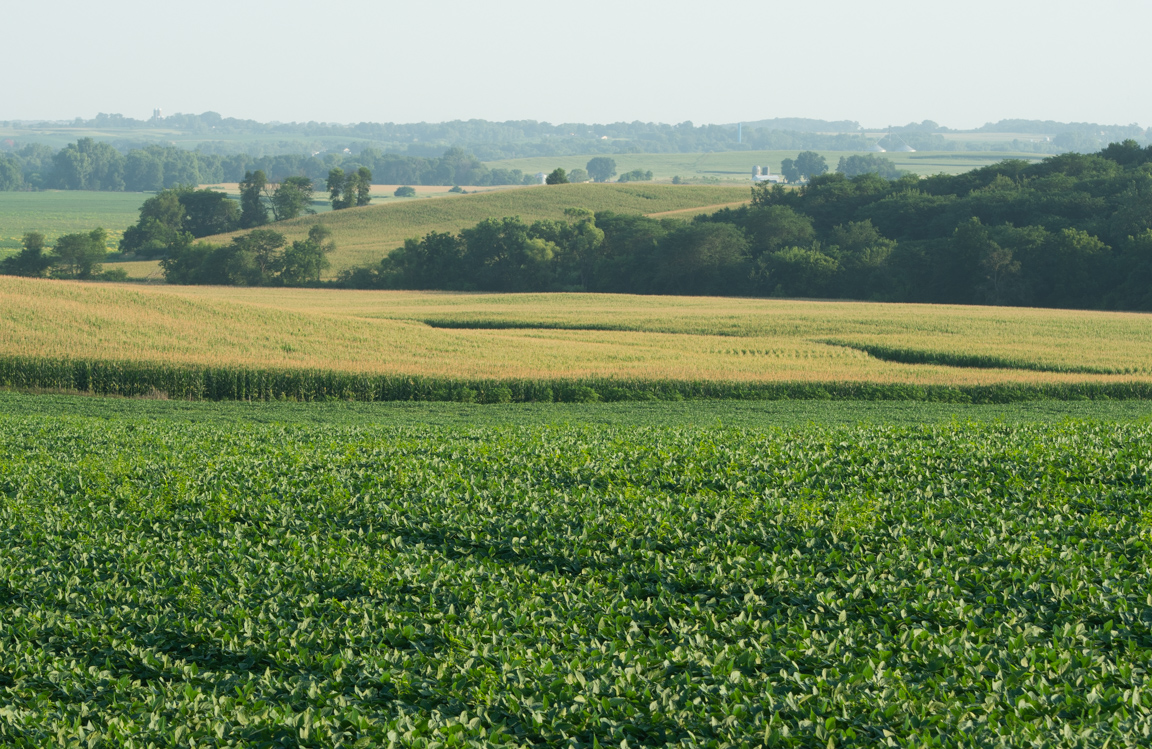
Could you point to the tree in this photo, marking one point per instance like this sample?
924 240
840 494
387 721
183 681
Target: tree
255 257
361 186
11 175
798 271
583 244
253 212
170 213
501 255
89 165
79 255
348 190
789 170
859 164
143 172
601 168
636 175
577 175
292 198
207 212
161 220
701 258
31 261
557 177
811 164
405 191
776 226
434 262
305 260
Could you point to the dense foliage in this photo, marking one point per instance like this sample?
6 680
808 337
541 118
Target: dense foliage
262 257
1071 231
172 218
212 134
164 583
77 256
94 165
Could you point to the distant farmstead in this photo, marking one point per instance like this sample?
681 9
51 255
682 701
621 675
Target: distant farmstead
764 174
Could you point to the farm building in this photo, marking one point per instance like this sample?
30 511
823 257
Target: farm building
764 174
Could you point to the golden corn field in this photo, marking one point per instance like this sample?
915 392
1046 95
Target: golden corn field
527 336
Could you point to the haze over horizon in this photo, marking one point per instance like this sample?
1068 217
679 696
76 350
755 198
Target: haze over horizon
890 63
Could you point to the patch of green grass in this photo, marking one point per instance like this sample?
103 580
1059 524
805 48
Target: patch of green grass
57 212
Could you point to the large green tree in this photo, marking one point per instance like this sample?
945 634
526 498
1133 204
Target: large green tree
89 165
292 198
304 261
861 163
601 168
171 213
811 164
79 256
253 212
351 189
30 261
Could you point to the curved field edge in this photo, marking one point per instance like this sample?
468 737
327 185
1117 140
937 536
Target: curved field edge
901 355
135 379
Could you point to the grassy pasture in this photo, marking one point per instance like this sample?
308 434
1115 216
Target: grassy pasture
57 212
365 235
571 336
736 166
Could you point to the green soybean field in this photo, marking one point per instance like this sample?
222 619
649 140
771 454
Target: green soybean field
446 575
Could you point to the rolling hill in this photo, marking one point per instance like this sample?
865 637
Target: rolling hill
365 235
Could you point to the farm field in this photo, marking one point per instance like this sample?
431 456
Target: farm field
364 236
736 166
57 212
170 574
611 341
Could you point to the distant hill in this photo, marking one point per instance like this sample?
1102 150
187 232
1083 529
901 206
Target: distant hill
364 236
805 125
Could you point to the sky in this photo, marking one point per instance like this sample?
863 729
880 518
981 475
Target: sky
880 63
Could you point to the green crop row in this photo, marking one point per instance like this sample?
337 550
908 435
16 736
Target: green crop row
239 383
172 583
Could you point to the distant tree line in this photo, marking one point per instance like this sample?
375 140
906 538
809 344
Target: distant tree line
1071 231
523 138
93 165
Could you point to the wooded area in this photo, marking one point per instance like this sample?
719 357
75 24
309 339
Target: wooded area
1072 231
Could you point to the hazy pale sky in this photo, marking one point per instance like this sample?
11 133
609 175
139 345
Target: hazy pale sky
882 62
